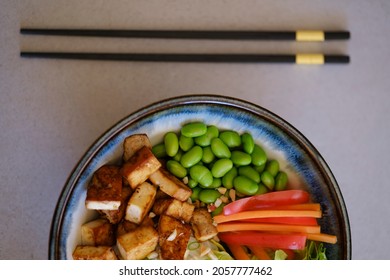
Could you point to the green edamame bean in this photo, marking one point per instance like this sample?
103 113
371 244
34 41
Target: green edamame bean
259 168
245 185
202 175
208 155
159 150
281 180
185 143
176 168
272 167
231 138
192 183
191 157
195 193
217 182
262 189
171 142
250 172
219 148
209 195
248 143
258 155
221 167
178 155
204 140
241 158
227 180
193 129
267 179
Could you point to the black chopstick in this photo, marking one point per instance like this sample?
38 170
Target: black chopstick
299 35
166 57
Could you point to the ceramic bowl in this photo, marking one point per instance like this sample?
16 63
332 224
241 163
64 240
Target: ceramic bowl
297 156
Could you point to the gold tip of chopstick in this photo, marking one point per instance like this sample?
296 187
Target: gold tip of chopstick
309 36
310 59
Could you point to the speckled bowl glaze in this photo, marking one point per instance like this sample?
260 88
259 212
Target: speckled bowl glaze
303 163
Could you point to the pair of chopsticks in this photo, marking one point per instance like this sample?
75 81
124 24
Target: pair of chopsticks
299 36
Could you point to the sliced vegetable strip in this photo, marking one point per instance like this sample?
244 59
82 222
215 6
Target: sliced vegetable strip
266 214
301 206
259 252
267 240
238 226
238 252
322 237
267 200
304 221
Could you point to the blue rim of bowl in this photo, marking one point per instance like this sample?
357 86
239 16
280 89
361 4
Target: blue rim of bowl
56 225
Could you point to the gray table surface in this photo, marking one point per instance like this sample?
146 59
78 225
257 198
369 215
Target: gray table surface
51 111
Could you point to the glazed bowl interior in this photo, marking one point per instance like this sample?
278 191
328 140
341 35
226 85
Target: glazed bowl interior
305 166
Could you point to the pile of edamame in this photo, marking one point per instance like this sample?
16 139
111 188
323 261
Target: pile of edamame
213 162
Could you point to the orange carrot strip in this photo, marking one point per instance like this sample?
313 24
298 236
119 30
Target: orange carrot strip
303 221
238 252
322 237
238 226
259 252
266 214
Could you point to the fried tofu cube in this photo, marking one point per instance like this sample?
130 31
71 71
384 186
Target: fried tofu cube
140 166
115 216
140 202
202 225
171 185
161 205
125 226
98 232
133 143
174 208
174 237
86 252
105 189
137 244
180 210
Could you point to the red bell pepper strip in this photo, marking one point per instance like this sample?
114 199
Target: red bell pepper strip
290 254
266 240
267 200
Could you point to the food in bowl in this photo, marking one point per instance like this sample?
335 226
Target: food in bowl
304 166
217 187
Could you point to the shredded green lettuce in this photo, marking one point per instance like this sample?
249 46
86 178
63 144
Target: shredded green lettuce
207 250
222 255
315 251
280 255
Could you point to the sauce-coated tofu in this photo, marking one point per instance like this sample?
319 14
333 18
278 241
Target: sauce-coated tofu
174 236
170 185
202 225
94 253
105 189
140 166
140 202
137 244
